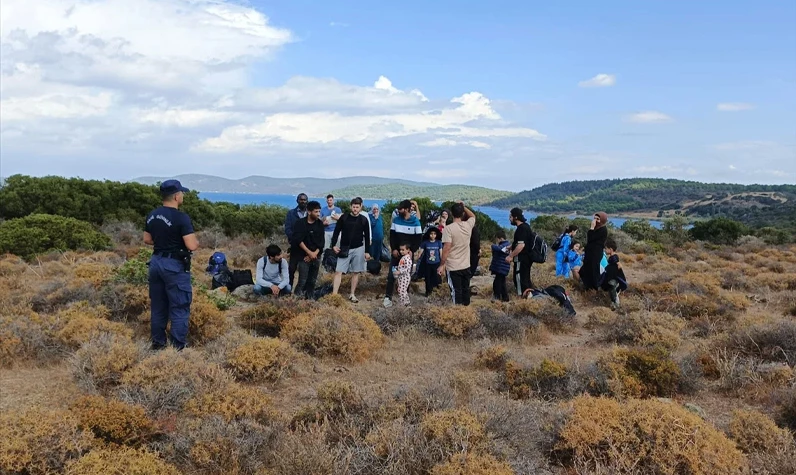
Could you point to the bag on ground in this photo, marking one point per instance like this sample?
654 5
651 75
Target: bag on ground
217 263
386 256
374 267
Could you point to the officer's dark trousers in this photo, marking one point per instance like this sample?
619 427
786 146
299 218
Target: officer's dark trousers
522 273
171 295
459 282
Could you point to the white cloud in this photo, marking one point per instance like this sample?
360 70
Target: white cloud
746 145
649 117
734 106
732 167
600 80
444 142
337 24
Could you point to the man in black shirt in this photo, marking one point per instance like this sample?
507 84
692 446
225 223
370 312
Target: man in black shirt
306 246
171 233
521 251
354 244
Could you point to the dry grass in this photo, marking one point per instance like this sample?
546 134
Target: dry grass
121 460
336 332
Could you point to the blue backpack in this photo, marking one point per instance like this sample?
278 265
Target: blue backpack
217 263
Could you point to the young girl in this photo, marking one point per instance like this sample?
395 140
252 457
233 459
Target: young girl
432 254
404 273
575 259
562 264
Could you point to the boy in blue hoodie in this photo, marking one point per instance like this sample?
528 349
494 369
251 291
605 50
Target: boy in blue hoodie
501 248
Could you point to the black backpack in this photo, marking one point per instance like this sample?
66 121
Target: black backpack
329 260
374 266
557 244
239 278
538 250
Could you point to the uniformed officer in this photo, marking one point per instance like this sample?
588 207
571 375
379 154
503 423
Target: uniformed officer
172 234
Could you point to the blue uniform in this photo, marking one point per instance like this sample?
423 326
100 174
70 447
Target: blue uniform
169 282
562 264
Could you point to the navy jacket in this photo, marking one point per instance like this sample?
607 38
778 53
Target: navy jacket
290 221
499 265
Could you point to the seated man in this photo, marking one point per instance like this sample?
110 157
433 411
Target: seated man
272 273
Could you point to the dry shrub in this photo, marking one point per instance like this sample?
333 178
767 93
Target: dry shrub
786 409
58 294
599 317
471 464
114 421
269 318
232 402
99 363
492 357
125 301
26 335
637 372
121 460
649 329
546 310
495 322
335 332
333 300
213 445
163 382
94 273
261 359
40 441
339 397
768 342
455 430
643 436
699 283
775 281
207 322
304 452
755 432
81 322
11 265
454 320
549 380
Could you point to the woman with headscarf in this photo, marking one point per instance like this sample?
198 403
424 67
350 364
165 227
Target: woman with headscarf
377 232
595 244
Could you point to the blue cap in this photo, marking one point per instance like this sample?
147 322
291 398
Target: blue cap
169 187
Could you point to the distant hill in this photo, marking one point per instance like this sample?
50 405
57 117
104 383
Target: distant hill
276 186
476 195
752 204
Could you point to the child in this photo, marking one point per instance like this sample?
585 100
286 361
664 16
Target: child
431 257
613 279
575 259
499 267
404 273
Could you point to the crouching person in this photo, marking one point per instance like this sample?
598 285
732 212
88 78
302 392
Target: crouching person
273 277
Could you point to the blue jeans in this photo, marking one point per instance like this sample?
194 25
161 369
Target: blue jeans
170 294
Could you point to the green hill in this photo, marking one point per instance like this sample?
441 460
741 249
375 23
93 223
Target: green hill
397 191
757 205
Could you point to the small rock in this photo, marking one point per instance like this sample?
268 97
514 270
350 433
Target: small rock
695 409
245 292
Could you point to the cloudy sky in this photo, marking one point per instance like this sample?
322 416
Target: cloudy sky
453 92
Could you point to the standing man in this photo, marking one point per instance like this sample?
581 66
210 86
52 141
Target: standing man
521 251
353 247
293 215
329 215
170 231
456 253
404 229
306 249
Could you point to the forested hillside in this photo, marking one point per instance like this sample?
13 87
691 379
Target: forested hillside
475 195
752 204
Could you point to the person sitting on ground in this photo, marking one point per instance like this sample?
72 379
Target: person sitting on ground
353 247
404 228
404 273
430 259
613 279
272 273
306 247
575 259
562 264
501 248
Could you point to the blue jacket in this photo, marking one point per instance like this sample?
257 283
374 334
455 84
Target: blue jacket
290 221
574 259
566 245
499 265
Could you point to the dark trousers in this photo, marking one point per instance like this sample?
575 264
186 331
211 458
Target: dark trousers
267 291
522 273
612 286
459 281
391 278
292 265
432 278
170 294
308 274
499 289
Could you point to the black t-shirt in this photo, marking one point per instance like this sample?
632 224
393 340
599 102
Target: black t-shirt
167 226
355 231
312 235
523 234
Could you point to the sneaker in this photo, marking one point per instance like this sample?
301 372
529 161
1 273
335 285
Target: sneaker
387 302
353 299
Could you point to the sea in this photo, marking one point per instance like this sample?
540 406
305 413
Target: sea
501 216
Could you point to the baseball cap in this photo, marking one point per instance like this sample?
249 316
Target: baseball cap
169 187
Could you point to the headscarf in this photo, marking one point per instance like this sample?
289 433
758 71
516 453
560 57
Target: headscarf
603 219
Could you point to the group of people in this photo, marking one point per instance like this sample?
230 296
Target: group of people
445 251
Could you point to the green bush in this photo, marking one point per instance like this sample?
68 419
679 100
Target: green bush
718 231
38 233
135 270
641 230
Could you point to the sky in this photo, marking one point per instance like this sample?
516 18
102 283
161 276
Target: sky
508 95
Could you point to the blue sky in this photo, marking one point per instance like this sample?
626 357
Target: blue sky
123 88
